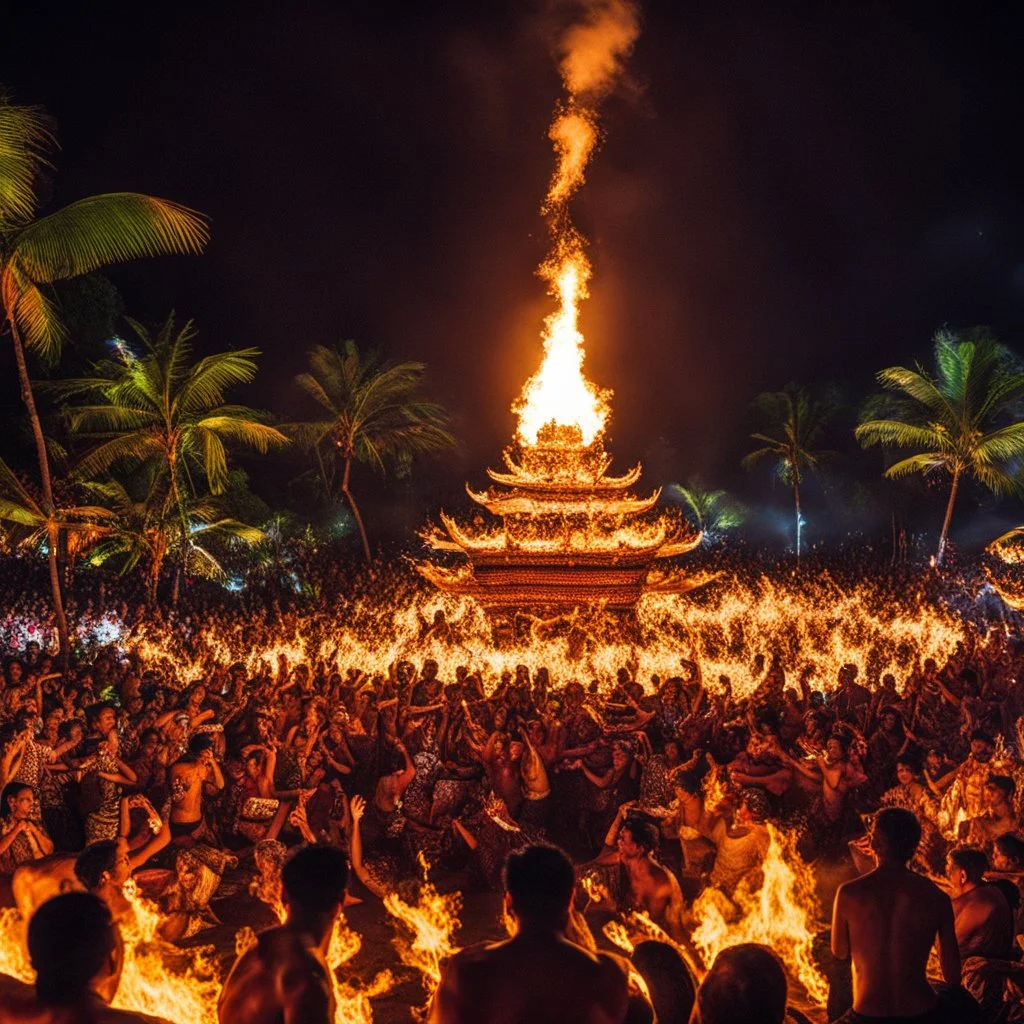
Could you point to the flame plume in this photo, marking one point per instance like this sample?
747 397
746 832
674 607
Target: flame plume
559 393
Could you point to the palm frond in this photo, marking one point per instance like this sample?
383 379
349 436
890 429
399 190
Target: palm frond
26 139
103 230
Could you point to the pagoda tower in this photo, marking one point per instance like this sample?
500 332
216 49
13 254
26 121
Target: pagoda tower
563 534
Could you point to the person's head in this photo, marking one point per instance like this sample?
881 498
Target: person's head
982 745
668 979
686 783
673 752
1008 853
72 943
200 746
999 789
754 806
637 837
103 863
539 883
313 884
621 756
254 764
746 983
896 835
906 771
16 801
100 718
836 747
965 868
890 719
149 743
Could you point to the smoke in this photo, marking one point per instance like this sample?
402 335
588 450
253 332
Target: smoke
592 51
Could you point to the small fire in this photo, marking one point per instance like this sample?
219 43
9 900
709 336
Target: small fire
425 941
14 960
779 915
352 999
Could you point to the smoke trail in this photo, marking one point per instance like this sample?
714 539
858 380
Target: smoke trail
592 52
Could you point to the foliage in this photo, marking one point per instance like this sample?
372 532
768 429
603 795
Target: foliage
961 418
713 512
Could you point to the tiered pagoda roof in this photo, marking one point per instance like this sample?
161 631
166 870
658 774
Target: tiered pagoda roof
567 534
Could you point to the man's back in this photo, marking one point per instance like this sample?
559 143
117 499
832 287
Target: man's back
984 923
539 979
892 918
280 979
20 1005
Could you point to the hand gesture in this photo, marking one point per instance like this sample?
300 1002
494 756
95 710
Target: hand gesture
357 806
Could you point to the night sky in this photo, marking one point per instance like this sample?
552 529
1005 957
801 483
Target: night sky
784 192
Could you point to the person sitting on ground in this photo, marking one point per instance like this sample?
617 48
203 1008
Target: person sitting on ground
22 840
746 983
648 886
984 921
284 977
886 923
538 975
77 956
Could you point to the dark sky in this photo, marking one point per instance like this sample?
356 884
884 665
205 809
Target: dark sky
784 192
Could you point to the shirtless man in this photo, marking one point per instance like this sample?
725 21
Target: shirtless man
74 948
631 842
886 922
192 775
984 921
284 978
538 975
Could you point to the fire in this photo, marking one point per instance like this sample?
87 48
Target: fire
148 985
13 955
779 915
351 999
558 393
426 929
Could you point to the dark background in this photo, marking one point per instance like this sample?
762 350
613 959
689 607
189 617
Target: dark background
785 191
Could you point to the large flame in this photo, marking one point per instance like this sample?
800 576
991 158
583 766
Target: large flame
424 940
779 914
558 393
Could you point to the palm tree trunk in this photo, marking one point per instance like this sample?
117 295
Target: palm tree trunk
47 485
355 508
796 501
949 515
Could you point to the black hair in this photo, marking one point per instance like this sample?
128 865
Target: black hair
687 781
314 878
94 860
199 742
669 981
93 711
644 832
70 938
972 861
902 832
1004 784
11 791
746 983
540 881
980 734
1011 846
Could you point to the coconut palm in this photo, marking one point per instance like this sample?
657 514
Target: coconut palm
37 251
712 512
165 411
150 533
795 422
962 418
33 525
369 412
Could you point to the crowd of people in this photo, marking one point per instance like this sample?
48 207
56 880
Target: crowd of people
580 799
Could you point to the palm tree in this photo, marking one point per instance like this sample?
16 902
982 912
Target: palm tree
36 251
712 512
34 525
151 533
961 418
166 412
794 424
369 412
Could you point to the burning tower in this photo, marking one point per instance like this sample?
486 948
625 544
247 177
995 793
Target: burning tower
570 535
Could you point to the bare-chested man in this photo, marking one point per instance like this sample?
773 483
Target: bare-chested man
538 975
284 978
984 921
74 948
631 843
886 922
192 775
